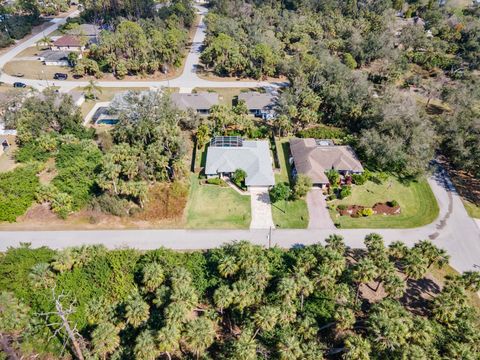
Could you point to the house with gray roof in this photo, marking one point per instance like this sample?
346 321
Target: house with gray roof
313 158
258 104
54 58
201 102
224 156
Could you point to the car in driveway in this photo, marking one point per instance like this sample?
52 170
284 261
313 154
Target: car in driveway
19 85
60 76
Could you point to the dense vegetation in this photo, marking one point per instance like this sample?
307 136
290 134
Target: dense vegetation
136 38
351 64
113 173
237 302
18 17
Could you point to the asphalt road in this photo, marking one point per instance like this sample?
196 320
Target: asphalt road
453 230
187 81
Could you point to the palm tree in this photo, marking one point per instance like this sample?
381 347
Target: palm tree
44 42
228 266
266 318
433 254
245 347
336 242
449 303
471 280
345 318
137 310
415 265
364 272
64 260
289 348
357 348
92 90
306 328
375 248
287 288
153 276
397 250
199 335
41 277
105 339
393 285
304 287
223 297
145 347
168 339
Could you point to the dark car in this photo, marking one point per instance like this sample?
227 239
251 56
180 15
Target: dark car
76 76
19 85
60 76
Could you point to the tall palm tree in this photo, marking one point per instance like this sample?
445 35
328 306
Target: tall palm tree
397 250
223 297
153 276
304 287
357 348
471 280
364 272
44 42
266 318
345 318
306 328
289 347
414 265
105 339
199 335
92 90
137 310
245 347
168 339
228 266
145 347
336 242
393 285
287 288
433 254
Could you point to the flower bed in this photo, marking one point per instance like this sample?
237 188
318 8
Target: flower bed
377 209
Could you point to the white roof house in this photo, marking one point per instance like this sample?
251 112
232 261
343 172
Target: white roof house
252 156
200 102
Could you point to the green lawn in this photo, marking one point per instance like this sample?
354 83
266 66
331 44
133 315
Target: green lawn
216 207
472 209
290 214
418 205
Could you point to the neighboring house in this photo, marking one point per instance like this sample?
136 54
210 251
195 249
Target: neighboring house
89 31
200 102
68 43
229 153
54 58
258 104
313 158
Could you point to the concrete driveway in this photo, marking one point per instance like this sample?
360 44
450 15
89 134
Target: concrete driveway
319 218
261 209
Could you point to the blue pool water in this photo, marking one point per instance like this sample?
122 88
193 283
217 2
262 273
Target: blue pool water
107 122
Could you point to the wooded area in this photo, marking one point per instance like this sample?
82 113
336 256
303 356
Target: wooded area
240 301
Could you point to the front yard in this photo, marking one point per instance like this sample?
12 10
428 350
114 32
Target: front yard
288 214
216 207
417 202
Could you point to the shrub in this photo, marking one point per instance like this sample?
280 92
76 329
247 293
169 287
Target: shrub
331 197
333 177
238 177
279 192
360 179
379 178
392 203
349 61
17 192
302 186
215 181
111 205
342 207
366 212
345 192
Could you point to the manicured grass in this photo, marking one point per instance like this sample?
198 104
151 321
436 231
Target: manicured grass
216 207
417 202
472 209
290 214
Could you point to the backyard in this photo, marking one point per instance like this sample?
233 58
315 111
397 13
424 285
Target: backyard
287 214
417 202
216 207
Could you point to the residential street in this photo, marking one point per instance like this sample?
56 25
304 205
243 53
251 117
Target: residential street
454 230
187 81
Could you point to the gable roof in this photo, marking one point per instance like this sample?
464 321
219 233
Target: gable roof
256 100
68 40
314 160
198 101
50 55
253 157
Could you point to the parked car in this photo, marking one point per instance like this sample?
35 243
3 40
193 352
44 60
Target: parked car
77 76
18 74
60 76
19 85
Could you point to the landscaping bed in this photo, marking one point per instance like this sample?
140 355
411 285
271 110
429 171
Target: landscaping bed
377 209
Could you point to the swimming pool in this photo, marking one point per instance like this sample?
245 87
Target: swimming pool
107 122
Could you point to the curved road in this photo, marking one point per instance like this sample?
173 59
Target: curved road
187 81
453 230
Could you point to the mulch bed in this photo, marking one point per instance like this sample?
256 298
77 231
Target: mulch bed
378 209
